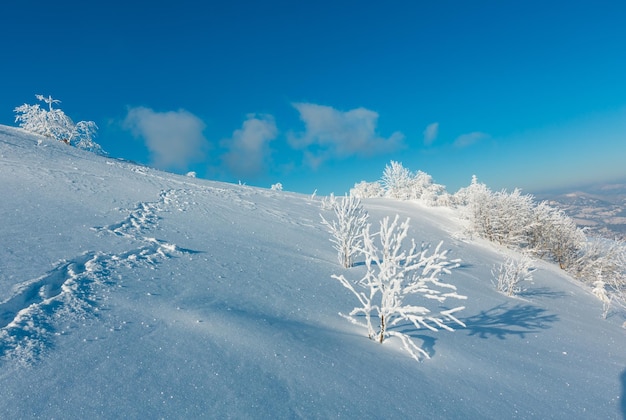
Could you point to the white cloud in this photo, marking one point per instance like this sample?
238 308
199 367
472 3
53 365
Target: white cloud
174 138
335 134
430 133
248 148
465 140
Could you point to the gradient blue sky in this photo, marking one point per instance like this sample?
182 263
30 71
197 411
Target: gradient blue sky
323 94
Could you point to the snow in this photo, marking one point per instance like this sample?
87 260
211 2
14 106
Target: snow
130 292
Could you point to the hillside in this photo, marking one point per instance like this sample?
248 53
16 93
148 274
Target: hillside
126 292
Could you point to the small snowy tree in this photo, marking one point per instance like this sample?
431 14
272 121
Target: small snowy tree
53 123
509 275
475 201
347 227
510 217
277 187
83 136
329 202
397 181
602 264
365 189
49 122
395 280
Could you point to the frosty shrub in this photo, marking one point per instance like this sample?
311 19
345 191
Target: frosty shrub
53 123
277 187
397 181
500 217
556 236
508 275
347 226
400 183
602 265
395 282
514 220
365 189
329 202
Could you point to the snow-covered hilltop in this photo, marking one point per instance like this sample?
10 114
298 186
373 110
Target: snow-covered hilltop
131 292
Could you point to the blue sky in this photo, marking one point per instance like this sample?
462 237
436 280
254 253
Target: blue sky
320 95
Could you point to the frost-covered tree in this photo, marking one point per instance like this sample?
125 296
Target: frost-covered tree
329 202
400 183
51 122
396 282
508 276
54 123
510 216
365 189
277 187
422 187
602 264
347 227
476 202
563 240
83 136
397 181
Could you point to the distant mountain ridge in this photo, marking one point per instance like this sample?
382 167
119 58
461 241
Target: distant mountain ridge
599 208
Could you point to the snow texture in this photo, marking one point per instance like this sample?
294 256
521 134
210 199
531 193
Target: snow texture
126 292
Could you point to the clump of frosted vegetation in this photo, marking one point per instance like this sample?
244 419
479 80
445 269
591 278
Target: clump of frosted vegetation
191 174
277 187
366 189
330 202
515 220
53 123
395 279
508 276
347 226
400 183
603 265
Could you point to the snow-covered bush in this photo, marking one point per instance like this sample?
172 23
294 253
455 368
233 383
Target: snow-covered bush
599 290
555 235
508 275
397 181
510 216
602 265
365 189
514 220
53 123
329 202
347 227
277 187
400 183
395 280
500 217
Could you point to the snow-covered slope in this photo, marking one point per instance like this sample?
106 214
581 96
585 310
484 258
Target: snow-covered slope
130 292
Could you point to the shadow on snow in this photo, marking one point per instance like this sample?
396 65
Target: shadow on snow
501 321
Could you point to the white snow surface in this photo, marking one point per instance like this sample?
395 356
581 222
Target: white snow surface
127 292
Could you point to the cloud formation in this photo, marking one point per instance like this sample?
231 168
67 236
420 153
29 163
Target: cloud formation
330 134
248 148
430 133
465 140
174 138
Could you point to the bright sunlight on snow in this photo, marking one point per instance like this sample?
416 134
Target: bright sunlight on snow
127 292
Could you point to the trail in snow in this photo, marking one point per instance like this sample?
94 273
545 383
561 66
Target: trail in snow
69 290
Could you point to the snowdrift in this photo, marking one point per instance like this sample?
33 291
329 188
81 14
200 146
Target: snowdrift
131 292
